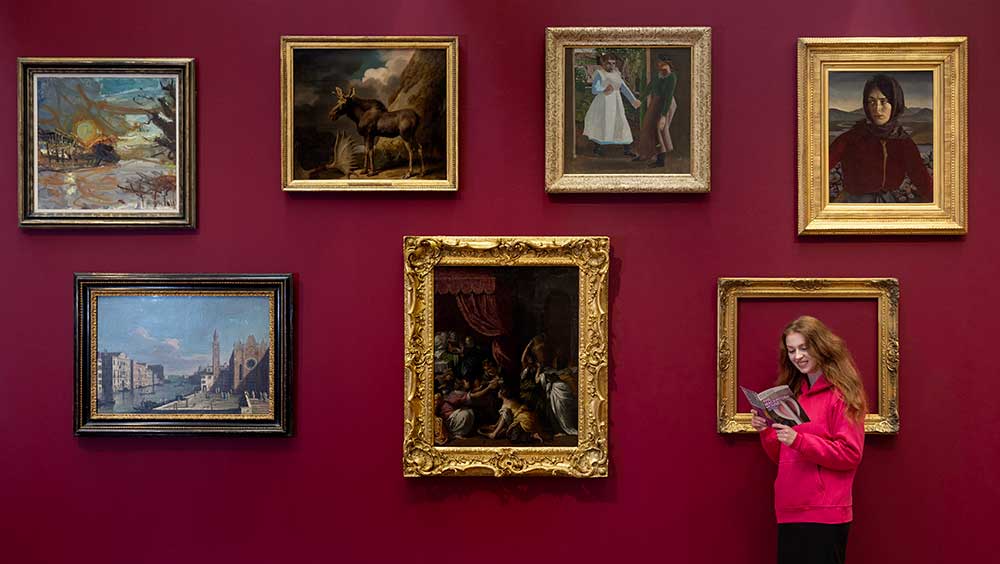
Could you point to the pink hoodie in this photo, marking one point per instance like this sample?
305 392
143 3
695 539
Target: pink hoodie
815 474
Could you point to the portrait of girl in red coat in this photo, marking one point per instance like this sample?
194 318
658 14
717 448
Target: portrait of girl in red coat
816 460
885 155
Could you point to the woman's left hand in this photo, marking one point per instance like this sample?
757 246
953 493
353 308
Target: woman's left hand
786 435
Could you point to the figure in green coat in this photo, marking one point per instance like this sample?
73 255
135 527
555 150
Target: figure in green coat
658 109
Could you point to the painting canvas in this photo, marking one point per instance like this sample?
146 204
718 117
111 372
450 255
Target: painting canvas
881 127
370 114
506 356
106 144
184 354
882 136
628 109
180 352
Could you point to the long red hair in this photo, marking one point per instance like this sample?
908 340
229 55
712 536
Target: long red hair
833 358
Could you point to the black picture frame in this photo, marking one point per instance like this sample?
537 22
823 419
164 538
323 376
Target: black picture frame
276 420
181 121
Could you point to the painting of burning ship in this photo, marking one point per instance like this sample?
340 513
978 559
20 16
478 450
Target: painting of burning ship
106 142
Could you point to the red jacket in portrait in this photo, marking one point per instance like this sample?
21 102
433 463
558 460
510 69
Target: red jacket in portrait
879 164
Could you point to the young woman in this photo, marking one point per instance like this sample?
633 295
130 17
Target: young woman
817 459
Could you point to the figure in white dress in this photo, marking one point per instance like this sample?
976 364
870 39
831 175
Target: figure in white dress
605 122
560 401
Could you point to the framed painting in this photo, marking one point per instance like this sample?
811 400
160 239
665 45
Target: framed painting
863 311
883 141
369 113
106 142
506 365
168 354
628 109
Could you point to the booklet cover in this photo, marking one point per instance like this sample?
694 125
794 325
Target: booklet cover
777 404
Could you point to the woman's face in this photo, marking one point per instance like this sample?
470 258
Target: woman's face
799 353
879 107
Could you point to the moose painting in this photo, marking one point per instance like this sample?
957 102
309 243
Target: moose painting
369 113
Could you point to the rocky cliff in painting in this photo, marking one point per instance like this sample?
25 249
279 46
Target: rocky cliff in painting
423 88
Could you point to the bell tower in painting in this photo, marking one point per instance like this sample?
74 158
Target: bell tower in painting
215 355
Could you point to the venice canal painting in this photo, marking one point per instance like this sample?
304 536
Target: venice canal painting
506 342
183 354
106 143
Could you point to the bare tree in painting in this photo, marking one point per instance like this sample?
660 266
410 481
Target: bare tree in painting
157 187
162 117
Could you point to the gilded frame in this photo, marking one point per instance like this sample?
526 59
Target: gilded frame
186 154
947 59
290 43
589 459
884 290
277 288
698 39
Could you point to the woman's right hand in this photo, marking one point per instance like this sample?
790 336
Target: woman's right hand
757 422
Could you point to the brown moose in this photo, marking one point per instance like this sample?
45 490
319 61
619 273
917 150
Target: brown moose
374 120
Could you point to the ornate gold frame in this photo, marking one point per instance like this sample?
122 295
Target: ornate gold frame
589 459
884 290
290 43
29 216
558 39
947 58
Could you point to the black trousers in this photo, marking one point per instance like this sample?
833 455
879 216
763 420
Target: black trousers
812 543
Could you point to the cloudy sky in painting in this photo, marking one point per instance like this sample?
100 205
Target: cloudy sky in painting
846 88
374 73
176 331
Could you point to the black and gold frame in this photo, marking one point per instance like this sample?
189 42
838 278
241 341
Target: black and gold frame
168 354
106 143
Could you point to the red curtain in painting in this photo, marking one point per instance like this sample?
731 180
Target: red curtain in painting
475 294
480 311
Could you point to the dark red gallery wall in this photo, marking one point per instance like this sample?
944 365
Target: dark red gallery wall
678 492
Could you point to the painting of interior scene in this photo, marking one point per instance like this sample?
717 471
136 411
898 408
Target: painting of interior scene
183 354
106 143
506 342
881 137
369 113
628 110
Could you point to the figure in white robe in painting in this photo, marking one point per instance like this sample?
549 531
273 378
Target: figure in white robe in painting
560 400
605 122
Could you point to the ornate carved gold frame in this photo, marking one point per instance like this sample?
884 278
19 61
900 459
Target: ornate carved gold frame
558 39
884 290
589 459
291 43
947 58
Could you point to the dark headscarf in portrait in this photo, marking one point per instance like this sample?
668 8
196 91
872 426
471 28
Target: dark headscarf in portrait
893 92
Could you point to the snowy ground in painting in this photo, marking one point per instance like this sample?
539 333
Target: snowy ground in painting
96 188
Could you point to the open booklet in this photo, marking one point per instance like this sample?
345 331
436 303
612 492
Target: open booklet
777 404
